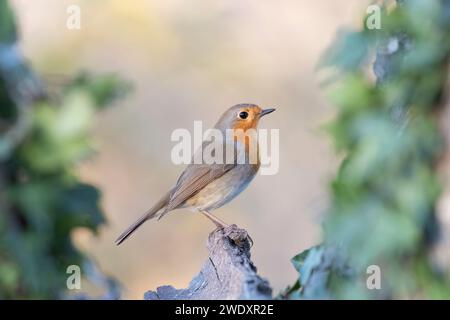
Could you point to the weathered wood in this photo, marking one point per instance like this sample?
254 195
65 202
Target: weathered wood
228 272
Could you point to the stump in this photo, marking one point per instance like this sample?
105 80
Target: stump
228 273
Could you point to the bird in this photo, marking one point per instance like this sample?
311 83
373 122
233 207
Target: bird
203 187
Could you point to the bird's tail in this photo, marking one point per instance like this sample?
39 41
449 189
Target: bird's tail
147 216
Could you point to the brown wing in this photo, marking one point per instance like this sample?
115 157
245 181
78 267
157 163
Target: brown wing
193 179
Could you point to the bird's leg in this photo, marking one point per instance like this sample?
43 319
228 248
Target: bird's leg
219 223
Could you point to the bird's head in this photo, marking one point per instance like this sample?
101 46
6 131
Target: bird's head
242 116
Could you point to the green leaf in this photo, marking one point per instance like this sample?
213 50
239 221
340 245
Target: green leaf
8 30
80 207
348 52
103 89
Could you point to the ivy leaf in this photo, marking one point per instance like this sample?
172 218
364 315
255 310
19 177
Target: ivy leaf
103 89
79 206
8 30
348 52
299 260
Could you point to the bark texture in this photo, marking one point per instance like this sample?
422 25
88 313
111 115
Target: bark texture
228 272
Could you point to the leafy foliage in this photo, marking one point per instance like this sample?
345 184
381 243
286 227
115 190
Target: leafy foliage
382 209
41 198
7 25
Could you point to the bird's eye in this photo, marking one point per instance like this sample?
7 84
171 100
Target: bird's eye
243 115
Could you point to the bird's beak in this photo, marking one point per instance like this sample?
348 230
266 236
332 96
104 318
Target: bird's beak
266 111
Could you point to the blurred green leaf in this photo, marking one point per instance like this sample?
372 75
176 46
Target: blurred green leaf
7 24
79 206
104 89
349 51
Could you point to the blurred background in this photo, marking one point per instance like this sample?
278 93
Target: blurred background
191 60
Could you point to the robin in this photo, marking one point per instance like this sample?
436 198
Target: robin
205 187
